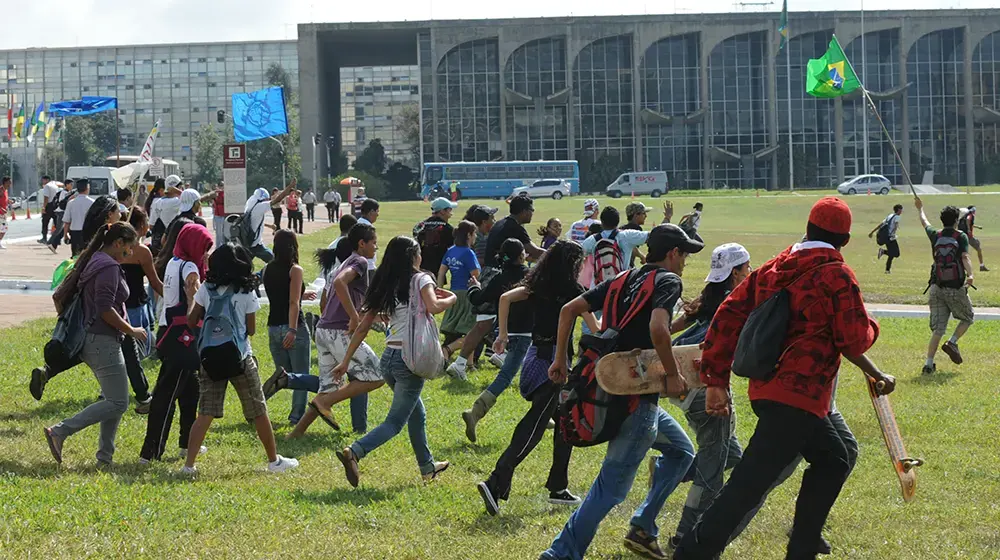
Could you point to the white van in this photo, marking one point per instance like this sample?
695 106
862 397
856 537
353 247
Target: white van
100 178
653 183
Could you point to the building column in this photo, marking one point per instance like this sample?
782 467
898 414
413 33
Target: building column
706 127
772 108
838 136
905 101
970 126
310 112
434 92
571 103
639 157
503 92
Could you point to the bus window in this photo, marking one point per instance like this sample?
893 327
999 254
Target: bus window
434 174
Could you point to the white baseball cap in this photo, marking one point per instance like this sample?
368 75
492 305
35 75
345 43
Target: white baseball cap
724 259
590 207
172 181
188 199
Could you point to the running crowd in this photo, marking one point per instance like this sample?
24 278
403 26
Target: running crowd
513 301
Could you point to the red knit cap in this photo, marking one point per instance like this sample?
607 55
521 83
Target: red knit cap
831 214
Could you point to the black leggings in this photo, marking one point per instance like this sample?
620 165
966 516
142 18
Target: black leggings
174 384
276 212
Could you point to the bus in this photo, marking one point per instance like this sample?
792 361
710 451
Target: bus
494 179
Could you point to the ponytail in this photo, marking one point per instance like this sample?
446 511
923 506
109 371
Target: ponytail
105 236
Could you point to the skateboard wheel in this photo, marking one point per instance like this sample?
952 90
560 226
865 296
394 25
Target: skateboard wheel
909 464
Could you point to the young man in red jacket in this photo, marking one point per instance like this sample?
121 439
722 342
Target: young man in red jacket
828 319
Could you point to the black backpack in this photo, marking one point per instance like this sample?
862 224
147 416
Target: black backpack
882 235
762 339
948 271
242 231
67 337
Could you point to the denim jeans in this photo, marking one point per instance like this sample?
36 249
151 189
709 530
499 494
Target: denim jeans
406 408
294 359
649 426
219 226
517 347
262 252
359 404
103 354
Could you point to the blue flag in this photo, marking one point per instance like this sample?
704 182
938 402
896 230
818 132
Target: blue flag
259 114
86 106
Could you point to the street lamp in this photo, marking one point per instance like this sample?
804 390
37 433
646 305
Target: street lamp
281 146
329 165
317 140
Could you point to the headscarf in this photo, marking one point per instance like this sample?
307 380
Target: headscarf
193 243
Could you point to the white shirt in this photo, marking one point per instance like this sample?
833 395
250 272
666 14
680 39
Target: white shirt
173 283
893 220
165 209
400 317
696 219
76 212
329 196
243 305
371 261
309 198
50 190
812 245
257 214
580 228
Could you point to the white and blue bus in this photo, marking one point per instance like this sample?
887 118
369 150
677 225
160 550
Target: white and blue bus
494 179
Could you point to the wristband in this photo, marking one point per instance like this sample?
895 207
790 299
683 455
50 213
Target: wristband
294 330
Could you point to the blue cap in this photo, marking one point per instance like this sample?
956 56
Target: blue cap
442 203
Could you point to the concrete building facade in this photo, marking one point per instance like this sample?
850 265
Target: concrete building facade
702 97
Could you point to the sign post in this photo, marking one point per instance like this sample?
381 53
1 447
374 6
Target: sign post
156 167
234 173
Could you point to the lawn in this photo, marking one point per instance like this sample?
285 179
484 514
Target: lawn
235 510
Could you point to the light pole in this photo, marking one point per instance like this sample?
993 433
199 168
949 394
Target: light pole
329 166
317 140
281 146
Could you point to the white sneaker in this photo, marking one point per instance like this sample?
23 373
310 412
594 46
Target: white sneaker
188 470
456 370
143 461
498 359
282 464
201 451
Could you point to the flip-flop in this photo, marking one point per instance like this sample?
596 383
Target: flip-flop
328 419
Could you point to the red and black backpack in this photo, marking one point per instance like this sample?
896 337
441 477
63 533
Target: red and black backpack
589 415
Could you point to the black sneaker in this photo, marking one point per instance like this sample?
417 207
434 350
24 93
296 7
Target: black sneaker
929 370
644 544
951 349
564 498
824 546
37 385
492 506
880 253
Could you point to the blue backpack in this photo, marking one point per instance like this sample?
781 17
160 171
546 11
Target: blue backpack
220 344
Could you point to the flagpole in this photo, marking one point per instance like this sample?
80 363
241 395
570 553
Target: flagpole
862 80
788 84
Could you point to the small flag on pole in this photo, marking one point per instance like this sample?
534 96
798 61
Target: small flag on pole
147 149
10 118
38 119
831 75
50 125
783 26
19 123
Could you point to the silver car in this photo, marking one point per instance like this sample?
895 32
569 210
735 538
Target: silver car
555 188
875 184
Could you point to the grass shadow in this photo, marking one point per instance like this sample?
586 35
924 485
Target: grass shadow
58 408
353 496
312 443
466 448
456 386
939 378
503 525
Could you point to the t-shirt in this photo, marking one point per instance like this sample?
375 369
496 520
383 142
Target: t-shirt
580 229
173 284
963 240
257 214
76 212
628 240
243 305
435 236
292 202
4 201
328 196
219 204
165 209
893 221
666 292
309 198
461 261
546 312
398 323
507 228
49 191
334 315
480 246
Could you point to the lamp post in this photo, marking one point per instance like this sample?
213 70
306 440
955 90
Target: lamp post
281 146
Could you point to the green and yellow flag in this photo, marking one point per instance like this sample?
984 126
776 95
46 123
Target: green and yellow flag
19 123
783 26
832 75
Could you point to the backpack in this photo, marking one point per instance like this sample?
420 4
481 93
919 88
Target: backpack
687 224
761 343
68 334
422 344
882 236
608 261
587 414
488 275
948 271
242 231
220 346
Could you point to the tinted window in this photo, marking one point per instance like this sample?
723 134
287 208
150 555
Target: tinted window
433 174
547 183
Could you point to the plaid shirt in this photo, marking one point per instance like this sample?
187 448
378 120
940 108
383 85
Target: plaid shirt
828 319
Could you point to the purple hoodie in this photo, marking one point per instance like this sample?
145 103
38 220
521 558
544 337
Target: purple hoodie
103 287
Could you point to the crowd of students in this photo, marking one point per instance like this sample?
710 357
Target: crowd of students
519 301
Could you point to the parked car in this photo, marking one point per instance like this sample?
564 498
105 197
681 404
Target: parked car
653 183
876 184
555 188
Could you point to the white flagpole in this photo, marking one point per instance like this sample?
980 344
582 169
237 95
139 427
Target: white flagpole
864 50
788 84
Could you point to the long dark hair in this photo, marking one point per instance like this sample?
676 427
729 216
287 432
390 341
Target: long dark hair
391 284
158 186
510 252
103 237
286 248
167 250
138 218
558 268
98 214
703 307
231 265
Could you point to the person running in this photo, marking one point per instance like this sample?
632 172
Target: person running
521 211
102 286
256 207
176 344
65 194
692 221
648 426
891 225
967 225
287 331
332 199
435 235
103 211
49 191
230 268
550 232
484 217
75 215
309 199
388 296
613 247
137 269
547 287
793 405
461 261
948 287
4 207
343 297
519 339
636 213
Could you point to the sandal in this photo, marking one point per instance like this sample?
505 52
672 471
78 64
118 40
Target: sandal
328 419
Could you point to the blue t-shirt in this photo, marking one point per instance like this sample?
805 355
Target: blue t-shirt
461 261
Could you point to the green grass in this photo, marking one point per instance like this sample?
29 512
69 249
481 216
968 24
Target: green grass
235 510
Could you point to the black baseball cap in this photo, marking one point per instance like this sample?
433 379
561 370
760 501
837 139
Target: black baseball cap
665 237
482 213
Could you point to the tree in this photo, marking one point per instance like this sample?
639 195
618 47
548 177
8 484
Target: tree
5 169
51 162
601 173
79 143
408 126
208 155
106 135
399 180
375 186
372 159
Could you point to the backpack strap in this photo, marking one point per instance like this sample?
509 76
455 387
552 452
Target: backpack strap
610 315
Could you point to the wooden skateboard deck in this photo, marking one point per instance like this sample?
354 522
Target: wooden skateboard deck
639 372
901 462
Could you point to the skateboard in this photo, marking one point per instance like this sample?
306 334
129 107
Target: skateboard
639 372
903 464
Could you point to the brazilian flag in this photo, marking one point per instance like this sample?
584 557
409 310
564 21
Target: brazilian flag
832 75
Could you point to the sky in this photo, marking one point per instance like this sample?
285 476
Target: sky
79 23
